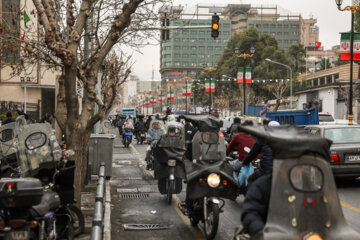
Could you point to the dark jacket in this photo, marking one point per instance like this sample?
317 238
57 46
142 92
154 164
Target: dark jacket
266 160
256 205
233 128
140 126
241 141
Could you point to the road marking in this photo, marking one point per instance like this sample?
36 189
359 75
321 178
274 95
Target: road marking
195 230
344 204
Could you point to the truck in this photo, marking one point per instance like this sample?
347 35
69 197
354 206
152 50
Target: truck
296 117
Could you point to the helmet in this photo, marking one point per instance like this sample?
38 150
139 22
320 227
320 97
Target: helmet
274 124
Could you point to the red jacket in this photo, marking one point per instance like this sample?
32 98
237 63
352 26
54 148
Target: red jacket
241 140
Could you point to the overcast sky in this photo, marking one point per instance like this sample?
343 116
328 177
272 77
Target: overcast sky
330 21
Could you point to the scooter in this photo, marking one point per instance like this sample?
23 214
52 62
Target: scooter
209 176
303 202
168 163
127 136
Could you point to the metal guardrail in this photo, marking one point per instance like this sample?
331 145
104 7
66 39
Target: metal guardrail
97 225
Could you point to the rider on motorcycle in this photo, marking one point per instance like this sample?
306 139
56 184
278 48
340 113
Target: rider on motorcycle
240 141
266 158
129 126
154 134
140 126
232 130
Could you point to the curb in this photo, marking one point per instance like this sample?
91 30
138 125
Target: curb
107 213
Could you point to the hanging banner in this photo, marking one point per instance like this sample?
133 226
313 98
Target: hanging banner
208 86
188 92
170 95
161 98
345 47
247 75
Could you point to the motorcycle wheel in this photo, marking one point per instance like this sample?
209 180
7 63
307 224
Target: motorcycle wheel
212 222
170 191
78 219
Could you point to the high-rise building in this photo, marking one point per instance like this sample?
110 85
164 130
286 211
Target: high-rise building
188 49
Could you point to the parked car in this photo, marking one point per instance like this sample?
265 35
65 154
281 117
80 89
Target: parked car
326 118
345 150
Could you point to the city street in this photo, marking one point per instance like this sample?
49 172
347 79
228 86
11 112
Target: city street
136 200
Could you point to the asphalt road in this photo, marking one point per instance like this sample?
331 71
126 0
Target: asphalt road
154 209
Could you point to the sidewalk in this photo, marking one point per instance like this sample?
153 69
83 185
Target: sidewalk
138 210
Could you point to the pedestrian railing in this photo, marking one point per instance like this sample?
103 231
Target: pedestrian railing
97 225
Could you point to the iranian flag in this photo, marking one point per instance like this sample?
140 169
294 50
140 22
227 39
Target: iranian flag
188 92
345 47
170 95
161 98
153 100
247 75
209 86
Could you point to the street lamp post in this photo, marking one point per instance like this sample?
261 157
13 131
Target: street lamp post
353 9
287 66
209 69
244 56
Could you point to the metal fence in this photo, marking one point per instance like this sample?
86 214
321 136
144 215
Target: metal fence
97 226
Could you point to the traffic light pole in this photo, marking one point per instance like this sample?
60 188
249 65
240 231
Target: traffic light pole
186 109
244 87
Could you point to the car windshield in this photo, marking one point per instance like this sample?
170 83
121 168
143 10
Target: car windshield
343 135
326 118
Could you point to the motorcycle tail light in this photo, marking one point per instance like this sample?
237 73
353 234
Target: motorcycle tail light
334 158
221 135
2 225
16 223
225 182
33 224
313 236
201 180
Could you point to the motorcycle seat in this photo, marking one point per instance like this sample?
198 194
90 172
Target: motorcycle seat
50 201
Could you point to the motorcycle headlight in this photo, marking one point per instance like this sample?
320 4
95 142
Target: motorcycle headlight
213 180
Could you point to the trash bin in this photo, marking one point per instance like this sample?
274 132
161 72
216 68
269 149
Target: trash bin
100 150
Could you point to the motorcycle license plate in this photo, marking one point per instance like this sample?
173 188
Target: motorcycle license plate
353 158
171 163
142 135
18 235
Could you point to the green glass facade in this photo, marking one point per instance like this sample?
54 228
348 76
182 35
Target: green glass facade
188 49
286 32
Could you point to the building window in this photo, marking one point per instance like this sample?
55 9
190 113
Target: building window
193 47
251 25
185 31
202 32
226 32
209 48
167 48
11 26
273 25
202 56
177 47
279 33
185 64
167 64
185 55
177 40
167 55
273 33
177 64
201 48
193 55
193 32
176 55
286 33
217 48
193 40
265 25
201 39
185 47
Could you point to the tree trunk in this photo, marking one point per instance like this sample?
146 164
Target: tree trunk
78 140
277 105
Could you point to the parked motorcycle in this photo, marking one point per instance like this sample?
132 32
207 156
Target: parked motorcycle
169 167
302 183
40 157
209 175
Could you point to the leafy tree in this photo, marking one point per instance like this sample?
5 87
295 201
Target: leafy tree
265 47
323 62
296 54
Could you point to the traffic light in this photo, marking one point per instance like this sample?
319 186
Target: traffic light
215 25
165 22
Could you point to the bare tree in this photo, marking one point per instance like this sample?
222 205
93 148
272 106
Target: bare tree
75 39
278 90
